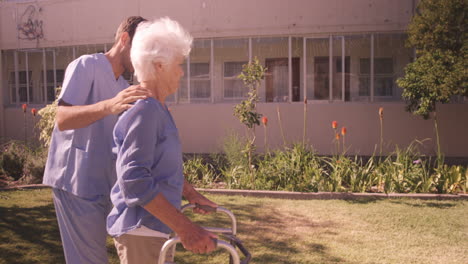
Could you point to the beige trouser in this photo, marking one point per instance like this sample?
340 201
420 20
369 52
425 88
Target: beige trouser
140 249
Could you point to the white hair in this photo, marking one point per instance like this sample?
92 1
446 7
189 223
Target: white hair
161 40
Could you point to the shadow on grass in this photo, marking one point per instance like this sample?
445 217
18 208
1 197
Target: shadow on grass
429 204
30 235
273 235
367 200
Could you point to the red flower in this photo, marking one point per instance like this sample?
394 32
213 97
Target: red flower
381 112
24 106
334 124
264 120
337 136
343 131
34 111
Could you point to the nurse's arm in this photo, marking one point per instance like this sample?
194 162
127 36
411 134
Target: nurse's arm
79 116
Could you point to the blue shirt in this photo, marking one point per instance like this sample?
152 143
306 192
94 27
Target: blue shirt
80 161
149 162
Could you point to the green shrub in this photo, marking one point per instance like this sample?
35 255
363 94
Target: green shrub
363 178
34 166
339 168
451 179
238 177
347 174
236 170
233 148
21 163
294 169
46 123
405 170
199 173
12 159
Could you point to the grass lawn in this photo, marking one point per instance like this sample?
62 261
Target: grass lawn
275 230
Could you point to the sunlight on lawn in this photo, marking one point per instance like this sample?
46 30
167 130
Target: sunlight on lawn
275 230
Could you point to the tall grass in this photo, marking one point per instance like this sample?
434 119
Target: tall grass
299 168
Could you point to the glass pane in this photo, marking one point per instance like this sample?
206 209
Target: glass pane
199 89
46 93
337 74
26 65
233 69
9 79
200 82
183 87
273 53
383 86
364 77
233 86
364 66
318 68
12 87
230 55
297 51
52 79
383 66
63 57
199 70
23 91
391 56
358 49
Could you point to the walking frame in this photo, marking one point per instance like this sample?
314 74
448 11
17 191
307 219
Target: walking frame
229 242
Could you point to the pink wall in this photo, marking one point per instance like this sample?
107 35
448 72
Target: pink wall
203 127
89 22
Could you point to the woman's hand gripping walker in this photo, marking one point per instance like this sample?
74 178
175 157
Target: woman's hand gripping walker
230 243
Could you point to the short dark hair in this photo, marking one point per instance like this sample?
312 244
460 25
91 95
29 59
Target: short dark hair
129 25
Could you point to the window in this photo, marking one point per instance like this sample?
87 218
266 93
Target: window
52 83
383 77
327 68
233 86
24 93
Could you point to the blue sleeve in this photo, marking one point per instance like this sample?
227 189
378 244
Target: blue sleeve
78 81
136 156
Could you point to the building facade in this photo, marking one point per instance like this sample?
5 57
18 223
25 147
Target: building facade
343 56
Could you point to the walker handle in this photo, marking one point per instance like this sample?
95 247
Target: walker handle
219 243
219 209
206 208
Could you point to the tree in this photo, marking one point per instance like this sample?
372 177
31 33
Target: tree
438 33
246 111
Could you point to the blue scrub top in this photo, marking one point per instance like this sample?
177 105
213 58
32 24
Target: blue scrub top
80 161
149 162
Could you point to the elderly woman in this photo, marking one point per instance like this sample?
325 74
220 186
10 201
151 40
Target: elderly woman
150 182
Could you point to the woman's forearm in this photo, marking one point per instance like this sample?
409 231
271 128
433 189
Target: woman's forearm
161 208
